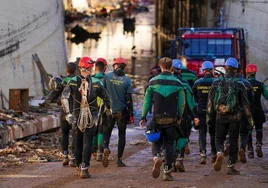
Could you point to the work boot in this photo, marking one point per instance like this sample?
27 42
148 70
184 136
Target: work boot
259 150
226 150
167 175
232 171
120 163
179 165
84 173
65 161
72 162
187 150
173 169
99 157
157 166
203 158
213 157
218 162
105 158
242 155
250 153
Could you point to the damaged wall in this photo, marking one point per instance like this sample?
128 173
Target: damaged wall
30 26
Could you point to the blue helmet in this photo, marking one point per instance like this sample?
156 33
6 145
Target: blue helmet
152 136
232 62
207 65
176 63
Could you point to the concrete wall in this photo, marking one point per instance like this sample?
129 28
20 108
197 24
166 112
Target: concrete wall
31 26
254 18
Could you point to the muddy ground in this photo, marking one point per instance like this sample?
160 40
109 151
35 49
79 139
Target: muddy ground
138 171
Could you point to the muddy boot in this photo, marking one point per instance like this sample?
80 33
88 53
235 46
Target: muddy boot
84 173
226 150
167 175
250 153
259 150
213 157
72 162
99 157
173 169
78 170
120 163
203 158
242 155
187 150
105 158
65 161
157 166
179 165
218 162
232 171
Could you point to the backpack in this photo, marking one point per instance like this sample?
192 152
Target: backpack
225 99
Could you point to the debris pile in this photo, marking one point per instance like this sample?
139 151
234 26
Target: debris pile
42 148
10 117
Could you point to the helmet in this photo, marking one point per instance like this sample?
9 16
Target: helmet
176 63
100 59
86 62
119 60
55 83
251 68
207 65
231 62
220 70
152 136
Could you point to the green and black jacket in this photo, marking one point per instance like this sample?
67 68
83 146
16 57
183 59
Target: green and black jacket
190 101
168 95
259 90
188 76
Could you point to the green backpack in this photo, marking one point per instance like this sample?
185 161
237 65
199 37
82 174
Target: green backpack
225 100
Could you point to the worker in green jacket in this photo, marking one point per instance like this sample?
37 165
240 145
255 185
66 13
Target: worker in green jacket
169 102
191 107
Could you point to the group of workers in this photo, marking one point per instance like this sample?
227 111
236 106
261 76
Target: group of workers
92 102
221 103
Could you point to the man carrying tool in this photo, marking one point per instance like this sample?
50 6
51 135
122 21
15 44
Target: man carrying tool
84 111
169 101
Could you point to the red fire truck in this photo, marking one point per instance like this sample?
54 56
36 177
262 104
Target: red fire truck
212 44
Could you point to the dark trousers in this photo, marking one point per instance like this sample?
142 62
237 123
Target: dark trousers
258 120
203 135
183 133
167 137
65 130
244 132
84 144
120 119
223 127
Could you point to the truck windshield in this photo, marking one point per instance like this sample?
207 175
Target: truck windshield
208 47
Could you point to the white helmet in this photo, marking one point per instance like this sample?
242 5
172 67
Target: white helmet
220 70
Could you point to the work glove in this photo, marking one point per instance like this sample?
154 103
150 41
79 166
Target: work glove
70 119
131 119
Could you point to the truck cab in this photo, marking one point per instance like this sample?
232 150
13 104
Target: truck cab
209 44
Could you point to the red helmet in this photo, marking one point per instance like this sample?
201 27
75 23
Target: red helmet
251 68
119 60
86 62
100 59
